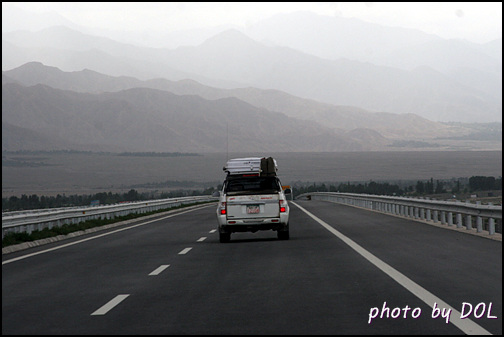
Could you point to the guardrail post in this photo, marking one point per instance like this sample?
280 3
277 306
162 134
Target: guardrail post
491 226
468 222
479 224
32 220
445 212
450 218
459 220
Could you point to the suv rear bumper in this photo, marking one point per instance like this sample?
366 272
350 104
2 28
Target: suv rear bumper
252 225
252 228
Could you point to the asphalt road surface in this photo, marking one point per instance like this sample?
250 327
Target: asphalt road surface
343 271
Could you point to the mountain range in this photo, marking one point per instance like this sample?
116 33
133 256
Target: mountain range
143 119
389 69
46 108
134 117
357 87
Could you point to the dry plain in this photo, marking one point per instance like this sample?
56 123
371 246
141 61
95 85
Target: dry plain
52 173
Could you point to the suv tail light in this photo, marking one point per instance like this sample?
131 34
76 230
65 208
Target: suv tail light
283 206
222 210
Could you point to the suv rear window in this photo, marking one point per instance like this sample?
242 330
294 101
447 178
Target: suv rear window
255 185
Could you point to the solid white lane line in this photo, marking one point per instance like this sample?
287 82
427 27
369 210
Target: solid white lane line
111 304
159 270
466 325
99 236
185 250
203 238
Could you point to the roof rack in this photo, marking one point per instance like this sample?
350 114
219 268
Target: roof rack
262 166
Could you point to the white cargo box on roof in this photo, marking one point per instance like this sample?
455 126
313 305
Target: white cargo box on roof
243 166
251 166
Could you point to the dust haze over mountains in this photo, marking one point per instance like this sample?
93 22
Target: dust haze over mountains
297 81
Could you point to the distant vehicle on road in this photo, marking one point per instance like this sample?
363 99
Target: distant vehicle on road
252 199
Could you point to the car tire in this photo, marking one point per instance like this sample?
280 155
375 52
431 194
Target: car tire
283 234
224 237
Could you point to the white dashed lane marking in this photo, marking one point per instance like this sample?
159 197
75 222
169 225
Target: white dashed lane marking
185 251
159 270
202 239
111 304
99 236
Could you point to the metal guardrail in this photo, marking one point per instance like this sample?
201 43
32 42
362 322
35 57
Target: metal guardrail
29 221
450 213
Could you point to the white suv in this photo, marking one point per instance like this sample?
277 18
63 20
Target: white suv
252 202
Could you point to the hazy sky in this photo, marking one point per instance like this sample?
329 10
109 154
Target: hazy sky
474 21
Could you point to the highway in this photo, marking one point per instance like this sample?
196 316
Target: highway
344 271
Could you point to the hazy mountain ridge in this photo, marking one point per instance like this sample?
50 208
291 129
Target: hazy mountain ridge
341 82
126 114
231 59
143 119
23 139
381 45
86 80
324 92
394 126
301 31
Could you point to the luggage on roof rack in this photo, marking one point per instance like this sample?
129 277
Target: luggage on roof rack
268 167
253 165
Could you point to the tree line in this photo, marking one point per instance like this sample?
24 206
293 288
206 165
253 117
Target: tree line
26 202
461 185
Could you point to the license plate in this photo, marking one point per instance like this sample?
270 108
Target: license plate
253 209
